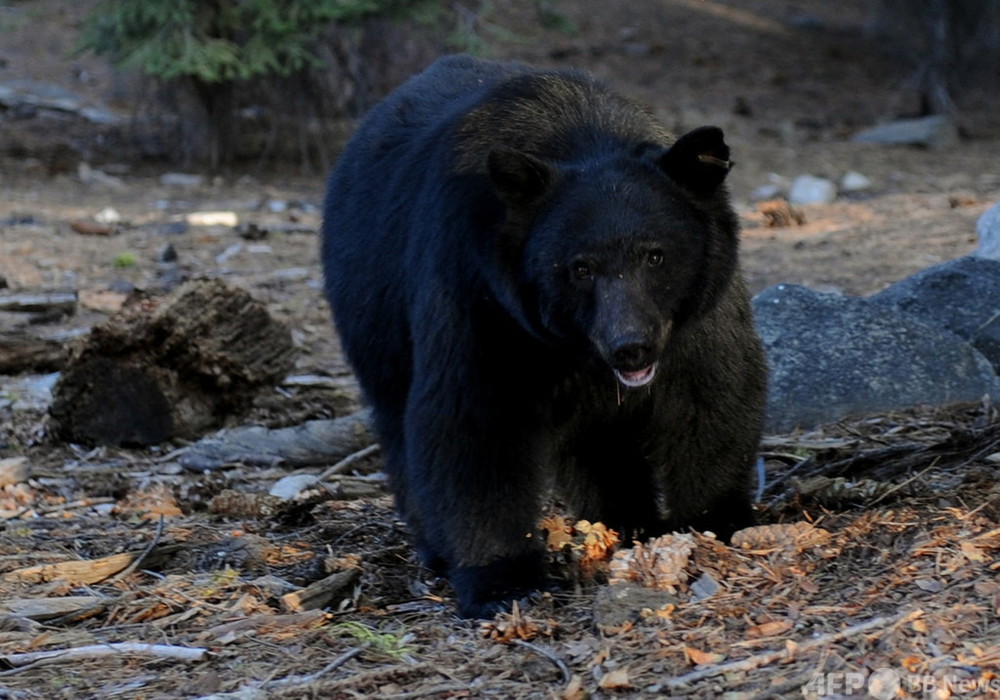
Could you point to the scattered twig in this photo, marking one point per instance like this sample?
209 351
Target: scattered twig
769 657
134 566
313 677
61 508
541 651
430 690
897 487
20 662
341 466
302 620
777 481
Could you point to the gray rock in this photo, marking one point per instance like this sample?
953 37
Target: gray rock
765 192
853 181
182 180
988 230
618 604
833 356
809 189
935 131
962 296
704 587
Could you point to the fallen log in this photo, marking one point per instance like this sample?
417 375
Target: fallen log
312 443
20 352
63 303
172 367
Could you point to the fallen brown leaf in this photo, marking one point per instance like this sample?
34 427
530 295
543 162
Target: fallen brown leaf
702 658
769 629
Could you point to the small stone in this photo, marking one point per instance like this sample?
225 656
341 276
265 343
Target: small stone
92 176
213 218
108 215
182 180
291 486
777 187
935 131
854 181
168 254
621 604
809 189
704 587
766 192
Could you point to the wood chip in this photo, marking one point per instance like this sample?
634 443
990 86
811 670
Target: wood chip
13 470
318 594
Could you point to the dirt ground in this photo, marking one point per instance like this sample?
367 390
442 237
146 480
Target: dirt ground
891 589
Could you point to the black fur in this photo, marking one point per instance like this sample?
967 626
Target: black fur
508 251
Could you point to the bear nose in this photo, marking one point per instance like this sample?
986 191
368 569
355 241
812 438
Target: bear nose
631 354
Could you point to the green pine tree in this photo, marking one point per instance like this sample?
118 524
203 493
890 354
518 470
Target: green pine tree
206 48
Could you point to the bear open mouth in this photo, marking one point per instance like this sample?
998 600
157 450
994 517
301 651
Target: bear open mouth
639 377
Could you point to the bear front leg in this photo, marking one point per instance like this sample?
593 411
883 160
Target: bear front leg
475 483
711 491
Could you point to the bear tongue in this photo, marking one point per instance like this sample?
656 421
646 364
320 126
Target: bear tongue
638 378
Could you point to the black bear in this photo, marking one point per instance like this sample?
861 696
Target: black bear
538 288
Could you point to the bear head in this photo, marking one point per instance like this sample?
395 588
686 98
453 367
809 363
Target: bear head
620 250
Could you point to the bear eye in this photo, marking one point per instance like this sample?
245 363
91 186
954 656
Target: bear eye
581 270
654 258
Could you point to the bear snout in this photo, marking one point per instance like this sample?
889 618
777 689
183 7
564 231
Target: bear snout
633 358
632 353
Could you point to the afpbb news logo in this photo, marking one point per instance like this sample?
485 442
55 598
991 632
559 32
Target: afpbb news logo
887 684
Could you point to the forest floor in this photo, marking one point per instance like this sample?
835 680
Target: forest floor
890 589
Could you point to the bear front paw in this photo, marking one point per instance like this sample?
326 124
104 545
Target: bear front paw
483 591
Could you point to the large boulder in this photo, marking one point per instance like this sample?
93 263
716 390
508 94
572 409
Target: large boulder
834 356
962 296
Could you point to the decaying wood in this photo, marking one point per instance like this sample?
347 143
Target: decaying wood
20 352
14 470
313 443
319 593
171 367
85 571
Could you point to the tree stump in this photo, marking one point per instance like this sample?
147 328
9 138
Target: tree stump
170 368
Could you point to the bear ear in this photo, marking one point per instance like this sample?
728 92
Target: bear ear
518 177
698 160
